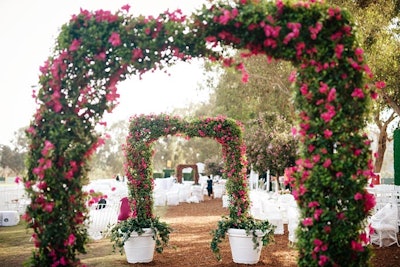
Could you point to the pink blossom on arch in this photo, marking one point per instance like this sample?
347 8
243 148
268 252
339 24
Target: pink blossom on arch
339 48
327 163
331 95
327 133
294 131
48 207
313 204
327 116
356 246
316 158
126 7
323 88
292 76
380 84
114 39
358 196
137 53
295 27
270 43
307 221
63 261
317 214
75 45
358 93
271 31
369 201
374 95
311 148
100 56
315 30
323 259
225 17
70 241
48 146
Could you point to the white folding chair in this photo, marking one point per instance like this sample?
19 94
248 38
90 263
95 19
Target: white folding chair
385 226
101 217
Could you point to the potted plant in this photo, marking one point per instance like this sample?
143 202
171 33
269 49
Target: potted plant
139 238
137 221
247 236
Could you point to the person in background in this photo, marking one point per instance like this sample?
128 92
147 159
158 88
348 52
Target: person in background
210 187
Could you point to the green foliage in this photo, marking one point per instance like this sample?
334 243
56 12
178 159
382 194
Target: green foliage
249 224
120 233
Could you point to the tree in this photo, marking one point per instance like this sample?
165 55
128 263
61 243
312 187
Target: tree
11 159
109 158
270 144
264 104
379 30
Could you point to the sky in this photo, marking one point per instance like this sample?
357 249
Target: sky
29 29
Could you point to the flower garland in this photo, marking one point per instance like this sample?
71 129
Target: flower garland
96 50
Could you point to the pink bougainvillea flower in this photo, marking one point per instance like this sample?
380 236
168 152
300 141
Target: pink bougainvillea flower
323 88
295 27
126 7
358 196
307 221
48 146
114 39
380 84
339 48
358 93
331 95
370 202
100 56
313 204
327 163
75 45
315 30
356 246
70 241
48 207
17 180
327 133
323 259
137 53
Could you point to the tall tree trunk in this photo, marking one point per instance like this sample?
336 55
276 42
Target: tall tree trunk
382 139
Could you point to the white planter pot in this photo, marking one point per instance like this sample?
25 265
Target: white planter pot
140 248
242 246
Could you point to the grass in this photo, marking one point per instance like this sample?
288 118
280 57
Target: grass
16 247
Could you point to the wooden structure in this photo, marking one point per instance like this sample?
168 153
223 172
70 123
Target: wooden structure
179 174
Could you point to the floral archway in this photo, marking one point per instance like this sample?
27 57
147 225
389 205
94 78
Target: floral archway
145 129
96 50
179 174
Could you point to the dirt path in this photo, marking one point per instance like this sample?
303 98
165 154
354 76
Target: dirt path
190 241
